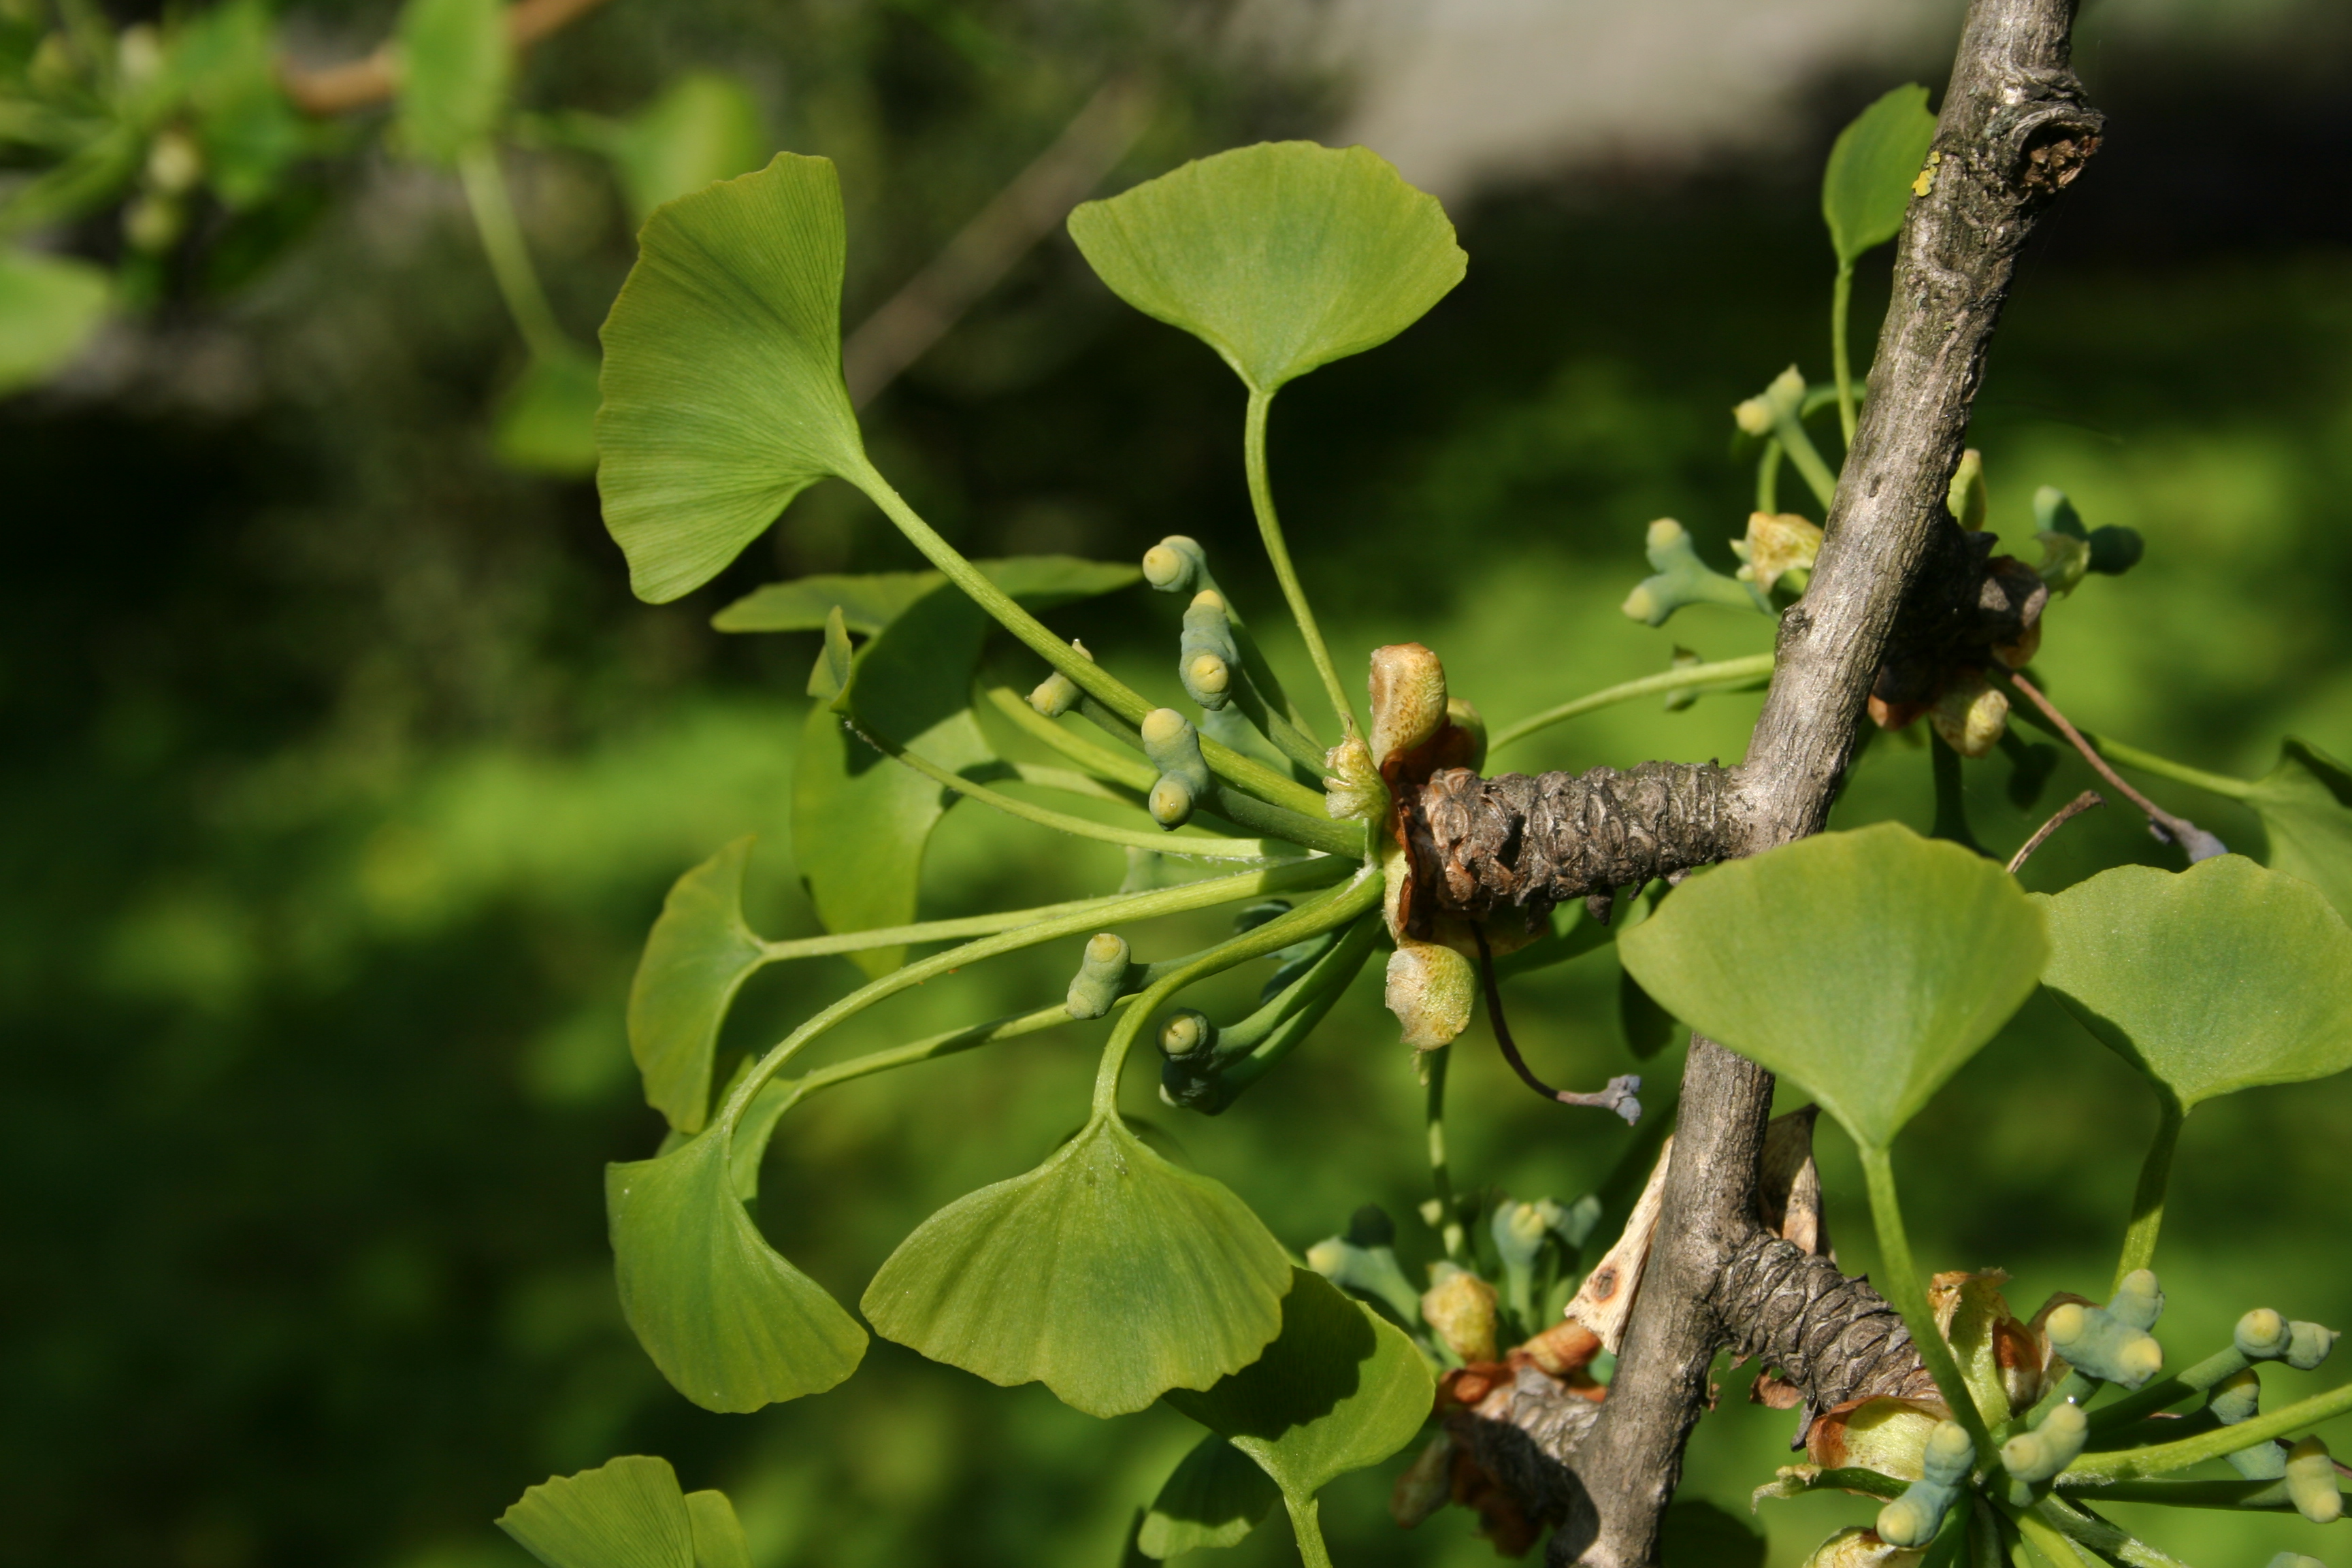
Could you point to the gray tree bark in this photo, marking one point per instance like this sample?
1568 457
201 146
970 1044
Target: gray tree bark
2014 130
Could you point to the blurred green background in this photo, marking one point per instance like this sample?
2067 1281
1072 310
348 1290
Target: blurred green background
343 776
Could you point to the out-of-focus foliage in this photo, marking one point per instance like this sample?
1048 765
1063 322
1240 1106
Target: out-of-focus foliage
345 778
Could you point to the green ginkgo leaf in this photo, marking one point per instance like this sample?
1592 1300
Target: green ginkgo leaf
2305 804
455 63
1281 256
1214 1497
2211 979
872 601
1106 1274
49 307
1338 1389
546 423
1868 182
861 821
697 957
722 373
626 1514
718 1539
1865 966
703 128
731 1323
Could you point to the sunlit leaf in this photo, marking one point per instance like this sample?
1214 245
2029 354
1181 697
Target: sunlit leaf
703 128
49 306
1338 1389
732 1324
455 63
697 957
225 60
2213 979
872 601
1867 185
1865 966
1281 256
546 423
1215 1496
722 373
717 1535
626 1514
1106 1274
2305 804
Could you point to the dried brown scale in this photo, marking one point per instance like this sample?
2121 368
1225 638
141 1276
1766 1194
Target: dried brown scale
1834 1337
1523 1438
1529 843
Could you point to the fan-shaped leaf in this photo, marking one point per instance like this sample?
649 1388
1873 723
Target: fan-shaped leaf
1107 1273
697 957
860 820
703 128
2305 804
2213 979
722 373
546 423
732 1324
455 62
49 306
1340 1388
1865 966
1215 1496
717 1535
626 1514
1867 185
1281 256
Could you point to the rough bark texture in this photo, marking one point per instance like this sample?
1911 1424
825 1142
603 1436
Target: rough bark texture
1531 843
1835 1339
2014 129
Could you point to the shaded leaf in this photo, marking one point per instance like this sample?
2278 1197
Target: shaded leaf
731 1323
861 821
697 957
1338 1389
872 601
828 682
1281 256
717 1535
49 306
455 63
1106 1274
1648 1028
868 602
626 1514
1867 185
546 423
2213 979
703 128
2305 804
1215 1496
1865 966
722 373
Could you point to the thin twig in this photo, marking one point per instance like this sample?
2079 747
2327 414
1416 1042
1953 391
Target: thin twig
1001 234
1618 1097
2067 812
2194 841
362 83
